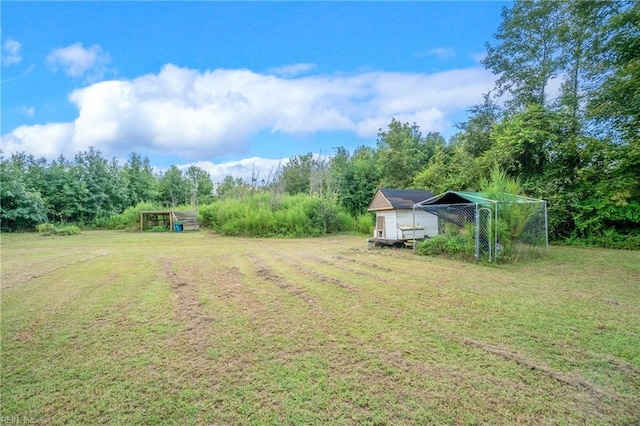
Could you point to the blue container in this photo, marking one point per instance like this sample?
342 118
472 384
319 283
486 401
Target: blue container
178 227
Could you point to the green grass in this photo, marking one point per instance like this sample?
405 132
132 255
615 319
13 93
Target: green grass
115 327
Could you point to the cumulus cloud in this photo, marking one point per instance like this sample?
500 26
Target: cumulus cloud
260 168
53 138
76 61
194 115
11 52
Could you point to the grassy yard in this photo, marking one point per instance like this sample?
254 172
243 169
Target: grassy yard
112 327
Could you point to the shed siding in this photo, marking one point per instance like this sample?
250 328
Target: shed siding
390 225
395 218
424 219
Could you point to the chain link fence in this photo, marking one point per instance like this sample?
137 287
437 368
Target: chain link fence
490 232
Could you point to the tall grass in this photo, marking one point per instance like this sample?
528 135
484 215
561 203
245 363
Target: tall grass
268 215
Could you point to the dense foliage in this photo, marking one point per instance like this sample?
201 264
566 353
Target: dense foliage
563 119
266 214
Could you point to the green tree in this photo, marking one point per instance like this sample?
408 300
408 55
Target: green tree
200 185
139 180
617 100
231 187
355 178
106 193
526 57
174 189
452 168
476 133
296 176
616 105
403 152
64 192
20 207
512 215
521 143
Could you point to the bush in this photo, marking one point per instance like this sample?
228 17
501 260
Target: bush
46 229
365 223
454 246
608 239
68 230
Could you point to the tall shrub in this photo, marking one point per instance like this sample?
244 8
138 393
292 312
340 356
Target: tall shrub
513 215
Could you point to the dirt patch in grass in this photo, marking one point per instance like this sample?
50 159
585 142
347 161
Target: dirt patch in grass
317 275
267 274
187 306
366 264
27 335
207 329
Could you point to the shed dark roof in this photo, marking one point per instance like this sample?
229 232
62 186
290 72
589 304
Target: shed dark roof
466 197
400 198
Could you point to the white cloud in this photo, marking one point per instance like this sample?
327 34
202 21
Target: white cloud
76 61
53 140
194 115
292 70
11 52
263 169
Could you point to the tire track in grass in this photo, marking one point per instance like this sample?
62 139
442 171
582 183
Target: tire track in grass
187 306
344 268
300 267
9 281
360 262
267 274
574 380
419 368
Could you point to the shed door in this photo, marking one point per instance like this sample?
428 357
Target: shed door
380 226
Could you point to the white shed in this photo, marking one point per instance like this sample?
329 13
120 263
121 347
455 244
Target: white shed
394 215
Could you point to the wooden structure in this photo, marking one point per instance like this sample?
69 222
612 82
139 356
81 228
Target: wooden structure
395 223
169 219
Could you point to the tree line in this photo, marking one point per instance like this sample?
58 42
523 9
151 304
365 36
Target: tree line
563 119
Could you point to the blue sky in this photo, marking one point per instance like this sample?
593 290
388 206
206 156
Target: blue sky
237 85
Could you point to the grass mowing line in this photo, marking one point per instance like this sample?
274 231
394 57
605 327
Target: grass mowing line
268 275
187 305
394 353
32 276
315 274
569 379
368 380
366 264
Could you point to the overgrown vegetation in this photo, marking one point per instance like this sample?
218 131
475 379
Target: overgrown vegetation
577 149
116 327
455 243
266 215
